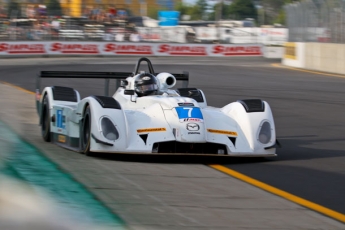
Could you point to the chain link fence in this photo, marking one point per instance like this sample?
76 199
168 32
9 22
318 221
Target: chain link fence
316 21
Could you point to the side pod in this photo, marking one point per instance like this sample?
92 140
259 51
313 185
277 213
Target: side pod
254 117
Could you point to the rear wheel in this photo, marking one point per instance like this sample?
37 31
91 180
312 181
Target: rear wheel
45 127
86 132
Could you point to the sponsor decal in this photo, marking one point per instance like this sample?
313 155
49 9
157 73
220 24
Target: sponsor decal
188 113
192 127
60 119
68 48
148 130
22 48
237 50
59 130
273 32
193 133
182 50
290 50
146 78
230 133
61 138
150 36
127 49
185 104
192 120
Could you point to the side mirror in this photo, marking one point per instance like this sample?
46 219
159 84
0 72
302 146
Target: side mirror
193 93
129 92
124 83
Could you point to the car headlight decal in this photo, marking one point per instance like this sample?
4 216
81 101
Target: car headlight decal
265 133
108 129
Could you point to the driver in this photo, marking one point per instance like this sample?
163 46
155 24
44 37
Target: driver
146 84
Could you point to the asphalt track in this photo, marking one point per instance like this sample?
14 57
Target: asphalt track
308 109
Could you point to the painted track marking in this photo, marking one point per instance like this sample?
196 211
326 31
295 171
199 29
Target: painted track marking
281 193
277 65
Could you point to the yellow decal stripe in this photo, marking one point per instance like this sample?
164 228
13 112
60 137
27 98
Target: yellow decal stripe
61 139
231 133
151 130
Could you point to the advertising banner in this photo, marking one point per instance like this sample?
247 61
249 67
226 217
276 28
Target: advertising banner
62 48
182 50
150 34
273 36
168 18
75 48
290 50
173 34
206 34
268 36
236 50
143 49
22 48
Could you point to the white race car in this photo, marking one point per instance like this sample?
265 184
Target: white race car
147 114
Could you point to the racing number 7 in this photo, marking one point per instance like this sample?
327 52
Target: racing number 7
189 111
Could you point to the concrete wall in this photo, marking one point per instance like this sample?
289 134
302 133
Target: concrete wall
324 57
294 54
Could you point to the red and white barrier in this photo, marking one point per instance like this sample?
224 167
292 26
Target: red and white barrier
121 48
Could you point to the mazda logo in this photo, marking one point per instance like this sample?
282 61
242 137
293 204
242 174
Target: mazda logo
193 127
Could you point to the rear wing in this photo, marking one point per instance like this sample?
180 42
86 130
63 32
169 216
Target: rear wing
118 76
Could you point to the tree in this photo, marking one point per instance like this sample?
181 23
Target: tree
54 8
153 12
14 9
183 8
202 8
220 11
194 11
273 11
241 9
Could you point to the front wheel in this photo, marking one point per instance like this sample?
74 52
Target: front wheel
45 127
86 132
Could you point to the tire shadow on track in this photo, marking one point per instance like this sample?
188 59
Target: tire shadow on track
293 149
309 147
179 159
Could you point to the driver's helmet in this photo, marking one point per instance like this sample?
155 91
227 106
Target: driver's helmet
146 84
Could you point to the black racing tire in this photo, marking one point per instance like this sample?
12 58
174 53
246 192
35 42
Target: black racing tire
86 132
45 126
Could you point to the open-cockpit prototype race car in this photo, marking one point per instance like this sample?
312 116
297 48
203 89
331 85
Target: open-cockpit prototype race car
148 115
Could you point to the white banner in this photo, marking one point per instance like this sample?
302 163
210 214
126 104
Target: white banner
75 48
181 50
119 48
22 48
64 48
236 50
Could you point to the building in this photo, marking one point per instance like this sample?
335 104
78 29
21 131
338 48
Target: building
133 7
78 8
